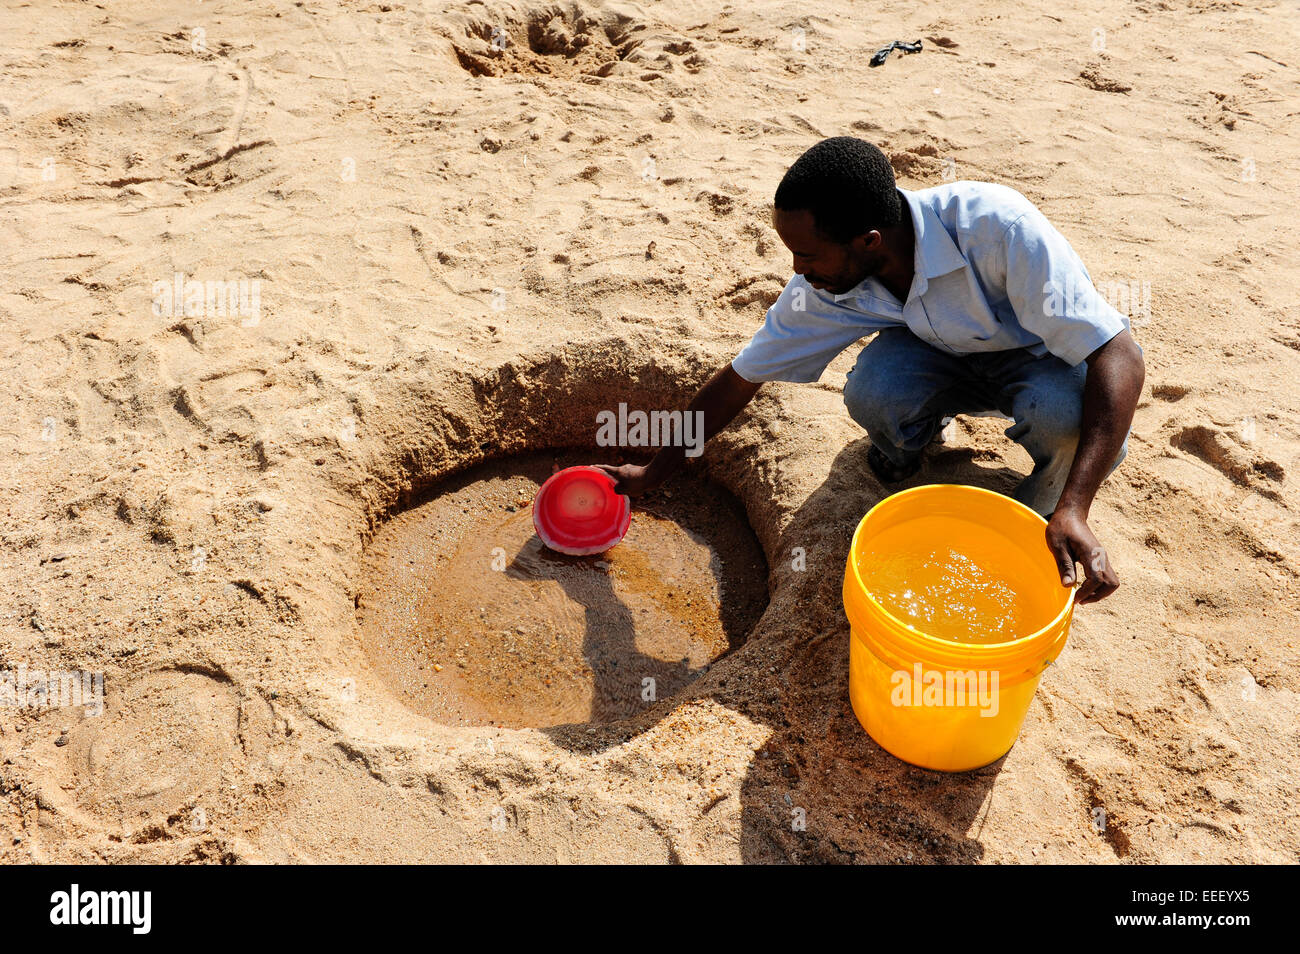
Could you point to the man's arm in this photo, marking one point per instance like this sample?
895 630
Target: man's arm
721 399
1110 395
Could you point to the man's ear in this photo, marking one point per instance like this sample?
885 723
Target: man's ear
869 242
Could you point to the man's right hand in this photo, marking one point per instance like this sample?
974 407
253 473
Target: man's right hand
719 401
630 479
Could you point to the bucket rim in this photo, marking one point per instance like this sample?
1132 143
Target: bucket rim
1023 642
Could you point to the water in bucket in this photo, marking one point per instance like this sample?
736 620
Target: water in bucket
956 587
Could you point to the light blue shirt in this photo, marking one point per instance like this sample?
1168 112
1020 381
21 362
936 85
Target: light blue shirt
992 274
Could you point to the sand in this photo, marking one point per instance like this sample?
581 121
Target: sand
453 253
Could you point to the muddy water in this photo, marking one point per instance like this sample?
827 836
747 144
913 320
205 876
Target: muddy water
470 620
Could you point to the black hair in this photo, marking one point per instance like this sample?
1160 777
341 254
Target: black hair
848 186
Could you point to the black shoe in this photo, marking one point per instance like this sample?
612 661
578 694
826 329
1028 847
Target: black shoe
886 471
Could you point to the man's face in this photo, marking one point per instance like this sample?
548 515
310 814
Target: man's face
825 264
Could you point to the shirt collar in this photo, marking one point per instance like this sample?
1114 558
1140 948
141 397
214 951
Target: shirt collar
935 253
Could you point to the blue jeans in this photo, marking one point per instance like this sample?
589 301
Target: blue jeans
901 388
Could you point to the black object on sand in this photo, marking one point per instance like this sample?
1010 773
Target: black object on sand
882 54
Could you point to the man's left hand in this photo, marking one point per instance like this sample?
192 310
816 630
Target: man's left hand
1070 541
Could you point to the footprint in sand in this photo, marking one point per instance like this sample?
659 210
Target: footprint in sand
161 743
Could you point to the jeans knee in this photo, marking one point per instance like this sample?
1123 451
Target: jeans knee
857 403
870 392
869 406
1048 428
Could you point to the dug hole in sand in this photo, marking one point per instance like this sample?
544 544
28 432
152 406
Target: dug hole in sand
471 620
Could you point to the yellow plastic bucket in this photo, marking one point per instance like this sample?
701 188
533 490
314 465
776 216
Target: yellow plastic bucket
936 702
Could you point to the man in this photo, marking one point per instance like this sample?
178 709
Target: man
981 307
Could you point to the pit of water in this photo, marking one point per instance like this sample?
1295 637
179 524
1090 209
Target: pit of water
470 620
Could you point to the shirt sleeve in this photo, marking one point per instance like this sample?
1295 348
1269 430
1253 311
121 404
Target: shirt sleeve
1051 292
800 336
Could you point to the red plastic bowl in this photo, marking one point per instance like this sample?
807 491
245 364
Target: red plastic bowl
577 512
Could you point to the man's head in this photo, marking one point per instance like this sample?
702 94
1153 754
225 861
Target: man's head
831 208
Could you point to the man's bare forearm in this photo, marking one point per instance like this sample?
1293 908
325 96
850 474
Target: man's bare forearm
721 398
1110 395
